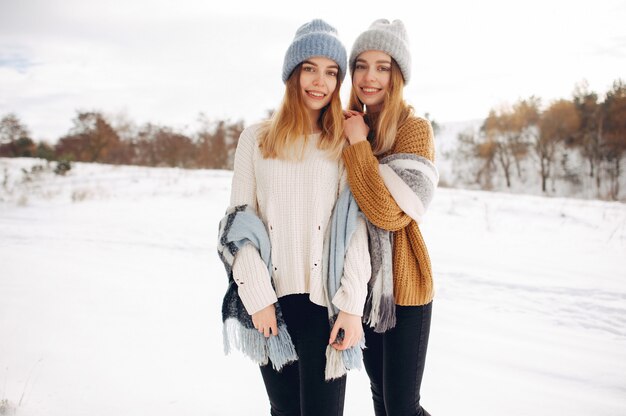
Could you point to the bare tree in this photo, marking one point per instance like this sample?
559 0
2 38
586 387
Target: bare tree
163 146
525 123
91 139
558 123
615 133
498 133
474 159
15 139
588 139
216 142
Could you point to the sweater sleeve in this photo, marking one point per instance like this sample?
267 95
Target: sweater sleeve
250 272
373 197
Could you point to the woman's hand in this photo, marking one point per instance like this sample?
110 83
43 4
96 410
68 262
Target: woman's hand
353 331
354 127
265 321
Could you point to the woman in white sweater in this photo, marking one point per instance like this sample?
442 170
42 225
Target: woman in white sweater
289 169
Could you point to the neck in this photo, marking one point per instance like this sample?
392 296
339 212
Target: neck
314 115
373 109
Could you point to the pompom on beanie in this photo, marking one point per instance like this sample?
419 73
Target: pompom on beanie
315 38
390 38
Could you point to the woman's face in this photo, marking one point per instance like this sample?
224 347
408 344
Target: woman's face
372 73
318 80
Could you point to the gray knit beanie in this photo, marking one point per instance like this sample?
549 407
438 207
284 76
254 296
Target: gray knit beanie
316 38
390 38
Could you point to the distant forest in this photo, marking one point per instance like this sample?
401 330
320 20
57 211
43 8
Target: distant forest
564 141
567 142
95 138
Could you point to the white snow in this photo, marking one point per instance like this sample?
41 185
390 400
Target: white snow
110 297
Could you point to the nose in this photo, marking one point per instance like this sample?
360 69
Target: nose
371 74
319 79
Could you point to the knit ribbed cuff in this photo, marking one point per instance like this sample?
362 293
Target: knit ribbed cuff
352 303
253 279
356 154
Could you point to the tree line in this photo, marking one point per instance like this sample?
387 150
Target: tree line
579 141
95 138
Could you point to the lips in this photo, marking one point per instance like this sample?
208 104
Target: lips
316 95
370 90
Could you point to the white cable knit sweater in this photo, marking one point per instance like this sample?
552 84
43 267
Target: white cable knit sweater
295 200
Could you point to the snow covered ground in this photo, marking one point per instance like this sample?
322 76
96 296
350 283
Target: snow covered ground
110 293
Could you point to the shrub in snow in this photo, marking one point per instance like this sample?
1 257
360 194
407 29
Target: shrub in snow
79 195
33 173
6 408
63 166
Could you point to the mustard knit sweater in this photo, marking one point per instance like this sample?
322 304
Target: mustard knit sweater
412 273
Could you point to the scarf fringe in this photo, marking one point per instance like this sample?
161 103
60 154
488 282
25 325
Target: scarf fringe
338 363
380 313
277 349
367 309
353 357
386 318
334 364
280 349
249 341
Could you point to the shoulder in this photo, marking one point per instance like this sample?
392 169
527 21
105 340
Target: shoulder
416 135
249 137
416 126
251 133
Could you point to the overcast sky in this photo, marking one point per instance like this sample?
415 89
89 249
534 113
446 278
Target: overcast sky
165 61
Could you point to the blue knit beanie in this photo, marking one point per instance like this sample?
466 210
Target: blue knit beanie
316 38
390 38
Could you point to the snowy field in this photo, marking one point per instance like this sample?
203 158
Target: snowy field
110 295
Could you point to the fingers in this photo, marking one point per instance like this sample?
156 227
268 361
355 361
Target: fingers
265 321
351 339
267 329
346 343
349 113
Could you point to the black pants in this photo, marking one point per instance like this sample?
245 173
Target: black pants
394 362
299 388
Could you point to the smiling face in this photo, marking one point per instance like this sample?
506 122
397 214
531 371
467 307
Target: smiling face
371 78
318 81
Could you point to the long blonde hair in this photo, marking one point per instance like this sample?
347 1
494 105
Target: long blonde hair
279 135
395 111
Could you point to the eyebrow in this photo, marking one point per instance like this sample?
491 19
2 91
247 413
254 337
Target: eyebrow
314 64
380 61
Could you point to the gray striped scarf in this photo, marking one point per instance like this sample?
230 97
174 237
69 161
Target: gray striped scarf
411 180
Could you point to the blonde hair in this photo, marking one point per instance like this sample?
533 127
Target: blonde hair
395 111
279 135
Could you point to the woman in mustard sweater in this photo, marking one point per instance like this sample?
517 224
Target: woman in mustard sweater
392 176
